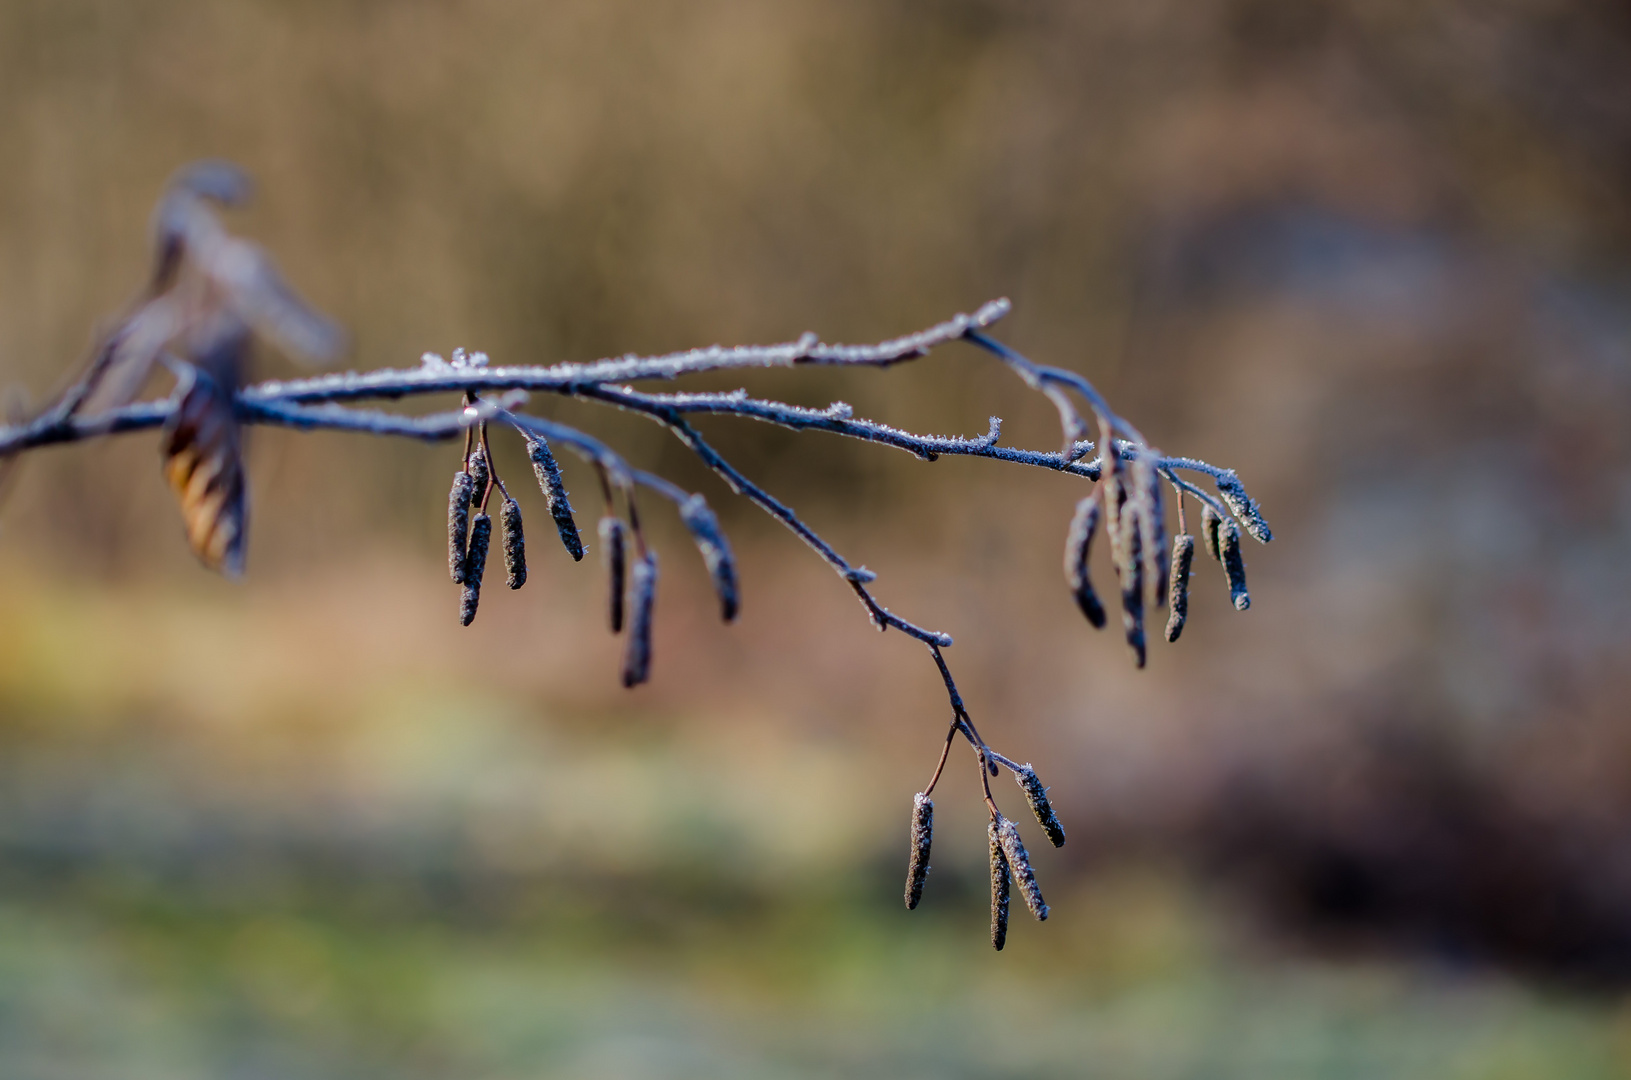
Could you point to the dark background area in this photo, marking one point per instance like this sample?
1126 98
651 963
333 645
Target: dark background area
1374 255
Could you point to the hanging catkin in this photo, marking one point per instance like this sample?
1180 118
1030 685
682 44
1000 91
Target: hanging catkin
515 545
999 890
1233 565
1019 864
479 474
1210 523
548 473
917 863
1152 528
1127 544
458 524
716 553
615 558
1244 507
475 563
1183 557
1078 546
1037 796
642 597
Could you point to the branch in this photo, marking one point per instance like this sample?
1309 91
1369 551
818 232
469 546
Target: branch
209 292
437 376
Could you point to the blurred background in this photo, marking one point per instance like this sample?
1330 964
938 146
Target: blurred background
1374 254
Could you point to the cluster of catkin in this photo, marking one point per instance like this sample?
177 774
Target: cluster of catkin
1010 863
469 537
1128 504
631 567
633 582
634 594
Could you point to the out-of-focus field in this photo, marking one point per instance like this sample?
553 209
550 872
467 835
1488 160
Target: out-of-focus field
1374 255
413 870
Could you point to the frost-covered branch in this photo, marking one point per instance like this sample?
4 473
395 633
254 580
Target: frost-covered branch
211 293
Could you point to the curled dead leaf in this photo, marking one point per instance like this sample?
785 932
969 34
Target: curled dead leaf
203 463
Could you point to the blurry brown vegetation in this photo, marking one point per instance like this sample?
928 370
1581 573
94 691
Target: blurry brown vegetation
1376 255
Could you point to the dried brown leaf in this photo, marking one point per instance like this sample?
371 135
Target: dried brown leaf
203 463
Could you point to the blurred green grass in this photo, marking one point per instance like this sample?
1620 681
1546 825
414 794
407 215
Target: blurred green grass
824 979
433 877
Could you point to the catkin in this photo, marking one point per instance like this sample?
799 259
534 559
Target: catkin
475 563
716 553
1078 546
1244 507
1183 557
1019 864
1210 522
917 863
1152 528
1130 565
1233 565
642 597
515 545
548 473
1037 796
613 555
1115 508
479 473
999 890
458 524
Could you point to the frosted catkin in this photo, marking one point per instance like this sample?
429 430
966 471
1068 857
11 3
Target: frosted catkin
1019 864
1114 499
999 890
716 553
1078 547
1244 507
917 863
458 524
548 472
1210 523
1130 566
1233 565
479 473
1183 557
1037 796
615 558
515 545
1152 528
642 598
475 564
